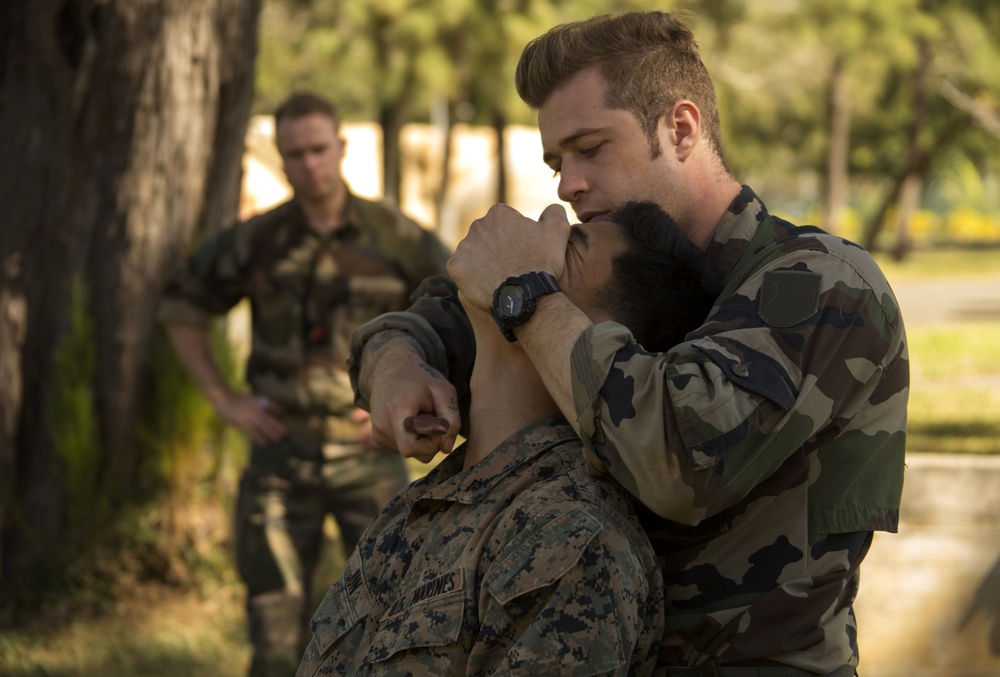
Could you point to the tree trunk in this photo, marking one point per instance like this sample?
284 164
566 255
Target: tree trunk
392 176
499 129
123 124
839 118
909 182
447 126
909 202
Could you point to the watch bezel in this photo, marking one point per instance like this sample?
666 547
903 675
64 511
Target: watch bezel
533 286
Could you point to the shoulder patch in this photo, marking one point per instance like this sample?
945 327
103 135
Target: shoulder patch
789 297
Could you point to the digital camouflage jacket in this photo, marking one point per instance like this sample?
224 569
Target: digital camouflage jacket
768 446
307 293
523 564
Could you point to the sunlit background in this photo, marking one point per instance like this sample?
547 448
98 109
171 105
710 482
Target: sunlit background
879 121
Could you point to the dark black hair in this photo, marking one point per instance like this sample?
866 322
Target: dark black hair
662 286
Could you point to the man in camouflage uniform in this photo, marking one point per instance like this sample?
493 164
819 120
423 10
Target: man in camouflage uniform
770 442
509 557
313 269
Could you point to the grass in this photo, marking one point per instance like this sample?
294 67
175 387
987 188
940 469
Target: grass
955 388
156 631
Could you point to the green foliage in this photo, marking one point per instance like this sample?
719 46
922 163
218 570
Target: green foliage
184 443
190 462
772 63
73 419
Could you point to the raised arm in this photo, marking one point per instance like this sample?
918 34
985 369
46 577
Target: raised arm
412 362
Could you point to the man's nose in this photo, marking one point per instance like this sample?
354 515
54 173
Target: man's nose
310 160
571 186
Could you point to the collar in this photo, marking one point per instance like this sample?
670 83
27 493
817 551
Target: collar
735 230
449 482
352 221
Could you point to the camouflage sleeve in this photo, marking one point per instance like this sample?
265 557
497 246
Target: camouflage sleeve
438 322
209 283
811 343
571 592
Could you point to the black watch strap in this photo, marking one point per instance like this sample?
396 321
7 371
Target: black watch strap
533 286
539 283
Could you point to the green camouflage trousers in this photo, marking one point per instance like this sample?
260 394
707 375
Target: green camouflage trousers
284 498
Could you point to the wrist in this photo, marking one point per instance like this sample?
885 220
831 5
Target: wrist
219 396
515 300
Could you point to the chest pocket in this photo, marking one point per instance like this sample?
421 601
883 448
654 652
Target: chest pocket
561 638
422 629
338 626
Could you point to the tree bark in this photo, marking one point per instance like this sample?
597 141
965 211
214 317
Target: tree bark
499 130
837 173
123 124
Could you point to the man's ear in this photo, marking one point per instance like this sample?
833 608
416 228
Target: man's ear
683 123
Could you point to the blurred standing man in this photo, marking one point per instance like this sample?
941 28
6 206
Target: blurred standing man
314 269
770 442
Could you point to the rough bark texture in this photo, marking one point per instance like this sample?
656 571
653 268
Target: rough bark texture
122 123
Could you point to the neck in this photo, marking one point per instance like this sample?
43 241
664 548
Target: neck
507 396
708 189
325 214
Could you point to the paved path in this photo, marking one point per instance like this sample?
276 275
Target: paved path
949 300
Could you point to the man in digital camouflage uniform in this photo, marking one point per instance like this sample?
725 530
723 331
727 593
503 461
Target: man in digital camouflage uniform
313 269
770 442
509 557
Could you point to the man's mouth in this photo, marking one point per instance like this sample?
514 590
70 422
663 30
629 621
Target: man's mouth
592 216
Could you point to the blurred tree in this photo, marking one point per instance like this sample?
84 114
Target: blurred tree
950 92
123 125
826 100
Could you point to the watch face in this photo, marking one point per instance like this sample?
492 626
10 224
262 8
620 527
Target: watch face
511 301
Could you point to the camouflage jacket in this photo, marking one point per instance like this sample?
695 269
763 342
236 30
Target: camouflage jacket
769 444
307 293
523 564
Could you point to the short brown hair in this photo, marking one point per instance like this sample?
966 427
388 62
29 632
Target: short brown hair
649 60
301 104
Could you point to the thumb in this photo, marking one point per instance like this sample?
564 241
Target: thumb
554 213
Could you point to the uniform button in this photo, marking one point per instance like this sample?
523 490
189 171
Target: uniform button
741 370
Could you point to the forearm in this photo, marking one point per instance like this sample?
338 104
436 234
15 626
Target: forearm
548 339
382 351
441 337
393 380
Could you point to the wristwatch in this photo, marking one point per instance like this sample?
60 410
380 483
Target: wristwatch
515 300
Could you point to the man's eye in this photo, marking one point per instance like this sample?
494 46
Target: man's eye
590 151
555 171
